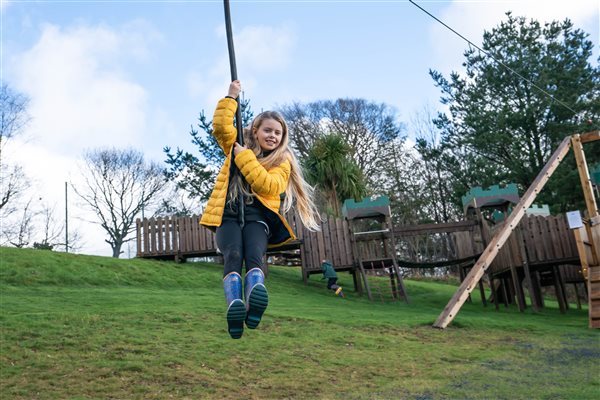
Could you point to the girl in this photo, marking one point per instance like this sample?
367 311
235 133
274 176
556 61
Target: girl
266 171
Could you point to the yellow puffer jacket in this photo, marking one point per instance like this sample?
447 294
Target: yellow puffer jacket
266 185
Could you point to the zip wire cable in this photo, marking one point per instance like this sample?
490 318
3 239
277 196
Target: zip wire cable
494 58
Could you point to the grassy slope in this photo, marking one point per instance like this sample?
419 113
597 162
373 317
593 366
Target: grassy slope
78 326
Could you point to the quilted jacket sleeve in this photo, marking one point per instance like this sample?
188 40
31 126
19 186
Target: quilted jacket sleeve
223 129
261 181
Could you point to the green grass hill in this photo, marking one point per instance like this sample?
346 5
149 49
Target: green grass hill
87 327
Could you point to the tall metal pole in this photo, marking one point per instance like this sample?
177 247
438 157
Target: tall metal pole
238 112
66 220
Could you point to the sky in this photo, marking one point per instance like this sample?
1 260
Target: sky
112 73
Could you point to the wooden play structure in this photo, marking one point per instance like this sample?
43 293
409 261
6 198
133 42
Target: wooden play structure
525 249
587 236
540 252
373 244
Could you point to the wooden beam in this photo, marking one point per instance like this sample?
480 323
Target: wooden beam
488 255
590 136
584 176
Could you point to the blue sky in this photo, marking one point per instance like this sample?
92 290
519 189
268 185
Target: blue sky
136 73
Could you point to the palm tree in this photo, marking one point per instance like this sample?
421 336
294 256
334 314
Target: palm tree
335 175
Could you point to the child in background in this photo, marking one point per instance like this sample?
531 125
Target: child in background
266 169
331 276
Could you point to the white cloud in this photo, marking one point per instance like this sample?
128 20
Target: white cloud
80 98
470 19
258 51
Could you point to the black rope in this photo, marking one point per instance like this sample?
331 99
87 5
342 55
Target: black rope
238 112
494 58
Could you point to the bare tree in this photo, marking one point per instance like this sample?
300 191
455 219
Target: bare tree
52 232
13 118
118 186
19 234
369 129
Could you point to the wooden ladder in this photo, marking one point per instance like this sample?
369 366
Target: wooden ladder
588 246
588 236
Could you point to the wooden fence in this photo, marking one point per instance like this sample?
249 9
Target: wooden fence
545 241
174 238
538 241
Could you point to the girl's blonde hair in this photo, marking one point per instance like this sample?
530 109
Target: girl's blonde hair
298 189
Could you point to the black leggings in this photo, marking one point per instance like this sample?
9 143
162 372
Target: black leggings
248 245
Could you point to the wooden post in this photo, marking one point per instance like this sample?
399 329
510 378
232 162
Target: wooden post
138 237
584 174
559 291
486 258
525 262
392 254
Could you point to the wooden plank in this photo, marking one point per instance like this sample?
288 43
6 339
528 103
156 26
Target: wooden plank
555 241
582 249
590 136
168 228
159 235
138 237
339 242
461 295
595 292
411 230
540 240
549 250
191 232
526 226
321 251
152 223
593 234
328 240
313 249
146 229
567 237
594 275
203 237
184 235
348 242
195 234
339 228
525 262
175 235
339 233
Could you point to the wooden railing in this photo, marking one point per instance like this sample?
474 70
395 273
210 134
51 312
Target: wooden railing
174 237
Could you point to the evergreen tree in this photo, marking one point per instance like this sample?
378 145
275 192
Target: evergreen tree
334 173
196 174
516 103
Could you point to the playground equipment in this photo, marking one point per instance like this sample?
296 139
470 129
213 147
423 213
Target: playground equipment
509 254
540 252
587 237
373 244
